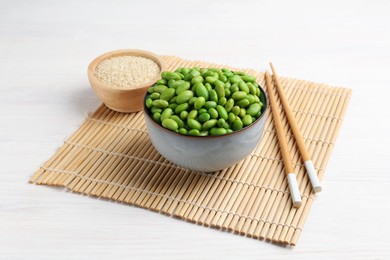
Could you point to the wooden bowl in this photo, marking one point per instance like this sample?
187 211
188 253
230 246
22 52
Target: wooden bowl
122 99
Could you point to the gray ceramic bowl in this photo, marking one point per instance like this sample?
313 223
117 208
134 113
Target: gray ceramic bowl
206 153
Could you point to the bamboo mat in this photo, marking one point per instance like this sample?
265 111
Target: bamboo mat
111 156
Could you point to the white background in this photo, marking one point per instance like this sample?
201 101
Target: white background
45 48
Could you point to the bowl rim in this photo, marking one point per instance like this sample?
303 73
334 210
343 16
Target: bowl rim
145 110
124 52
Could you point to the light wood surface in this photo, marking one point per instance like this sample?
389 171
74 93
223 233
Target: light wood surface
45 49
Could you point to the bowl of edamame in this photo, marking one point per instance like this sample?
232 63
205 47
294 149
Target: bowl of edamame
205 119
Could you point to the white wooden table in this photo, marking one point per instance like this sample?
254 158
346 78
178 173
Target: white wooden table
45 47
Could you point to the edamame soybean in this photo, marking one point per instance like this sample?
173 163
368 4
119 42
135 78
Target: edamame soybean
207 101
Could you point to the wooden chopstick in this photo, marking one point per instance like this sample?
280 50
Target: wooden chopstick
292 181
315 182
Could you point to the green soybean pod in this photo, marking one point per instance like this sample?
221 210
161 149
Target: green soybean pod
184 96
197 79
156 110
210 104
239 95
149 103
242 112
252 88
166 113
193 132
237 124
236 110
177 119
219 88
222 101
193 114
183 114
222 112
203 117
213 95
213 113
243 103
167 94
246 120
181 107
234 88
173 106
221 122
232 117
161 82
229 105
170 124
156 117
209 124
160 103
211 80
228 131
253 109
201 91
202 110
243 87
183 86
154 96
167 75
199 102
217 131
248 78
160 88
194 124
183 131
175 83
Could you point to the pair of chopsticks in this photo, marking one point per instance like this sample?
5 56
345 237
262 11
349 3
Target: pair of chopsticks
288 166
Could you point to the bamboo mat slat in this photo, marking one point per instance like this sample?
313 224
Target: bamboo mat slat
111 156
